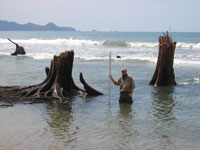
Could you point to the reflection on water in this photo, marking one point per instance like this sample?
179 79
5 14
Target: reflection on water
126 111
127 133
60 122
163 104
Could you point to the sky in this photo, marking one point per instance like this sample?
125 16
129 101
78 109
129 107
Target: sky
107 15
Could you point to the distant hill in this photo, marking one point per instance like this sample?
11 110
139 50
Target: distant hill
13 26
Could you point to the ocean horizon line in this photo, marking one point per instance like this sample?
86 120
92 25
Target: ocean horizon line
101 31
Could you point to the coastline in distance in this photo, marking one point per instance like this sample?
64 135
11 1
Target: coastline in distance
13 26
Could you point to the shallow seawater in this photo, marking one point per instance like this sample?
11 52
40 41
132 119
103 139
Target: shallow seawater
160 118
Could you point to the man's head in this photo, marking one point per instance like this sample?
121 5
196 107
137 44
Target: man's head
124 71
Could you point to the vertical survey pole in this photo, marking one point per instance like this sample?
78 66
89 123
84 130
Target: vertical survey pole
109 75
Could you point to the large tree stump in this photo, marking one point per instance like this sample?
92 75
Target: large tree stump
59 82
164 73
58 85
19 49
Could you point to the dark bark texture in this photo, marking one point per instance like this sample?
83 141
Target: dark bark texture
58 85
91 91
164 72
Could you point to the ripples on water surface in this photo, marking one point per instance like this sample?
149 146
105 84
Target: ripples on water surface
161 118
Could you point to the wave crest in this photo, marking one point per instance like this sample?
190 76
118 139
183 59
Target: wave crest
115 43
78 42
191 81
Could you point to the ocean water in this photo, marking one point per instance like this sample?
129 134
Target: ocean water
161 118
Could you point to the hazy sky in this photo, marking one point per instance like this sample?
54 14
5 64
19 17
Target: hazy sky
107 15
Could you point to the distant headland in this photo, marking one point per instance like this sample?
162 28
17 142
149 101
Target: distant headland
13 26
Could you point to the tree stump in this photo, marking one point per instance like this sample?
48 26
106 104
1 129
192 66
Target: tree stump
58 85
164 73
19 49
59 82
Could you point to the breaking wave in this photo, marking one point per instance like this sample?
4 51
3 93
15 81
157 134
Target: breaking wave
55 41
115 43
88 57
191 81
78 42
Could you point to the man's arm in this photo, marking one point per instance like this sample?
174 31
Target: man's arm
113 80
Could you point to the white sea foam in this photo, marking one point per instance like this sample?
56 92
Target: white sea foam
192 46
40 55
89 50
186 62
184 83
77 42
88 56
4 54
143 44
192 81
55 41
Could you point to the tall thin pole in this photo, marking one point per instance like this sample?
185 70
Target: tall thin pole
109 75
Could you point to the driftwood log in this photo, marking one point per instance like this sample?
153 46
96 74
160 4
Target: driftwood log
91 91
58 85
164 73
19 49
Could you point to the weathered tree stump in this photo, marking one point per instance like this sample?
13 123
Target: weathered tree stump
19 49
91 91
164 73
58 85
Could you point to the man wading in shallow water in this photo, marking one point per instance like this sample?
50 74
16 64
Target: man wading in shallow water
127 86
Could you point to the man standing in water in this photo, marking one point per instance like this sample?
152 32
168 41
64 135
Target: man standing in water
127 86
